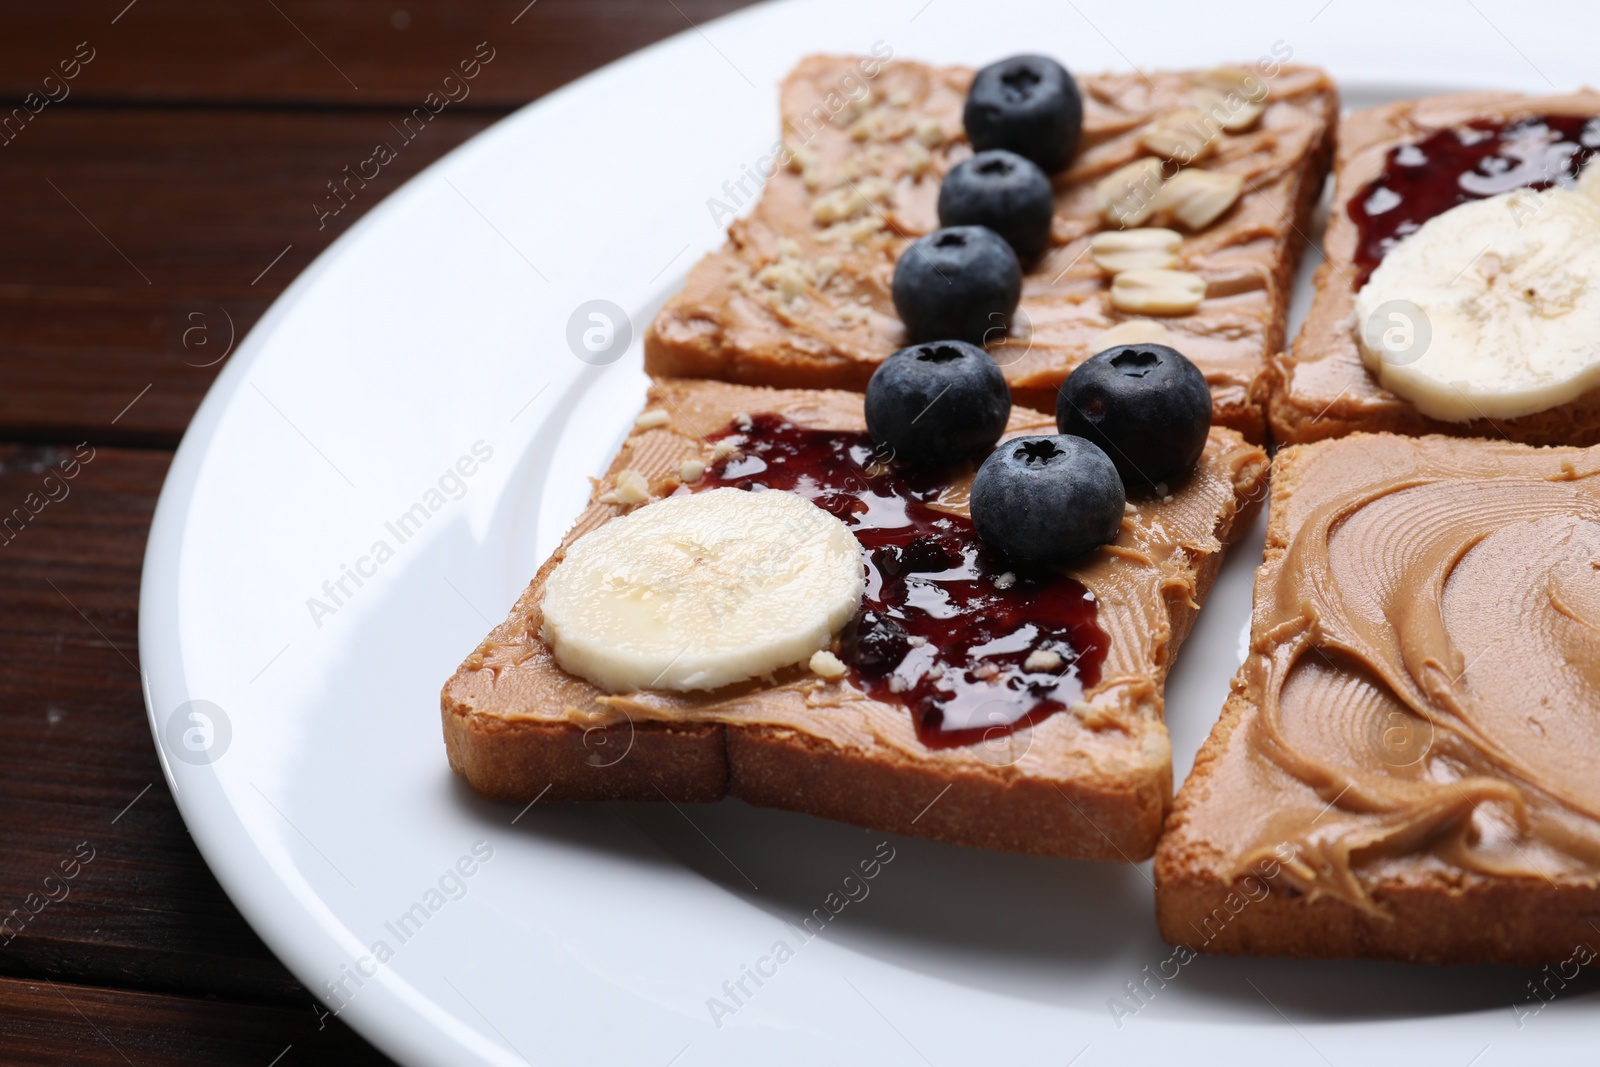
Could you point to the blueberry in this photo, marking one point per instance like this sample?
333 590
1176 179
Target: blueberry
963 282
1047 499
1146 405
873 643
1029 105
1005 192
938 403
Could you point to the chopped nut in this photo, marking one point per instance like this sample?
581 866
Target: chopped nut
1228 109
1239 80
743 421
929 132
897 684
632 488
1141 248
808 165
1123 197
1042 659
649 420
848 201
1157 292
691 471
787 276
826 664
917 159
726 447
900 98
826 268
856 231
1184 135
851 316
1132 332
916 641
1005 581
1197 198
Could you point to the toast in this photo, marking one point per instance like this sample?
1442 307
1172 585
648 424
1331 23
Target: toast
1405 767
1323 389
800 294
1091 780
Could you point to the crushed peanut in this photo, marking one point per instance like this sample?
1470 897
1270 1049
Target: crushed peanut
1227 108
826 665
632 488
1132 332
1184 135
691 471
1157 292
1042 659
918 159
1123 197
1239 80
649 420
1197 198
1141 248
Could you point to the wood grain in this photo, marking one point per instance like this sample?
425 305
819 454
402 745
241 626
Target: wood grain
344 52
51 1023
137 243
77 764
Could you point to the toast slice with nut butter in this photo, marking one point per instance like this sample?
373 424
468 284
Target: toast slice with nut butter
1214 174
1072 759
1406 766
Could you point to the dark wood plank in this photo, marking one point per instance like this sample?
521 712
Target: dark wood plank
347 52
78 771
135 243
51 1023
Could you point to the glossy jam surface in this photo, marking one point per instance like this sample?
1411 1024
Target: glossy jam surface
1471 162
947 624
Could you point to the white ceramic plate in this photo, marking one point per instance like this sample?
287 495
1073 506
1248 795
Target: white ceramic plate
436 329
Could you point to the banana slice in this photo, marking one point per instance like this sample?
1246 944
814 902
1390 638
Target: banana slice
702 590
1489 310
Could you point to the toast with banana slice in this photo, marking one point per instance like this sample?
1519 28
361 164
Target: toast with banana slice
1463 231
745 649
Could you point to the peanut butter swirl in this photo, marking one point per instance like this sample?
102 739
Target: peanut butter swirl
1426 660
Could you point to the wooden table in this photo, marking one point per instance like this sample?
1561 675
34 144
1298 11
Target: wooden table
161 163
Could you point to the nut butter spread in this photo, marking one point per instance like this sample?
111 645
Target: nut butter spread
1425 667
1115 726
800 294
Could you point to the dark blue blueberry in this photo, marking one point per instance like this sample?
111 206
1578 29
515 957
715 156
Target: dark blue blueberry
873 643
1047 499
963 282
937 404
1028 105
1005 192
1146 405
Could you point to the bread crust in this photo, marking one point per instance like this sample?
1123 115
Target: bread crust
1091 812
1323 389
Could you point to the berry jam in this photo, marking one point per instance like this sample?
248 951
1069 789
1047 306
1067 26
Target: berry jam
1471 162
947 624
